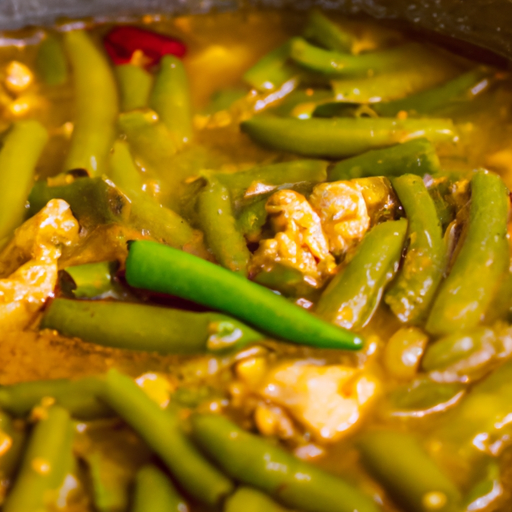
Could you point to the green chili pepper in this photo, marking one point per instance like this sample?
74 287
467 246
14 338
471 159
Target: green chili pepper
459 90
149 328
339 138
45 464
155 492
246 499
21 149
162 432
78 397
160 268
411 294
481 262
414 157
215 215
323 31
51 63
410 476
254 461
170 97
96 105
336 64
135 85
272 71
354 294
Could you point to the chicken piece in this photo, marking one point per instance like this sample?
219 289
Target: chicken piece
327 400
28 264
342 209
299 243
379 196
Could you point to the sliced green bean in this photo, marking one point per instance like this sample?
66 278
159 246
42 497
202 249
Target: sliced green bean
414 157
21 149
323 31
170 97
459 90
481 262
336 64
160 268
96 104
122 169
247 499
216 219
109 485
51 63
256 462
410 476
78 397
162 432
150 139
252 218
12 445
150 328
463 352
97 201
339 138
354 294
296 171
411 294
45 464
272 71
92 279
135 84
155 492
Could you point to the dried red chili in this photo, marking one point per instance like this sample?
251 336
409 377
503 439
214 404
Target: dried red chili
122 42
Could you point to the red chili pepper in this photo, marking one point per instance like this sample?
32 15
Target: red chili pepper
122 42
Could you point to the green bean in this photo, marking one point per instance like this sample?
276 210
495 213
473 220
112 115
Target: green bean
45 464
411 294
273 175
97 201
354 294
410 476
149 138
461 89
160 268
51 63
91 280
96 105
327 34
301 103
109 485
162 432
170 98
339 138
272 71
336 64
463 352
481 262
155 492
12 443
22 147
246 499
150 328
414 157
215 215
224 99
135 85
122 169
78 397
252 218
256 462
